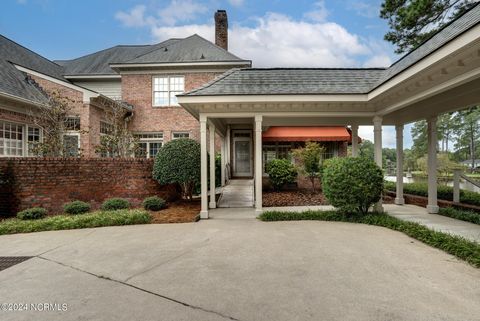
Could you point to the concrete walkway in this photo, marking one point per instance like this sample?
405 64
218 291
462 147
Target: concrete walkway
238 193
411 213
237 269
436 222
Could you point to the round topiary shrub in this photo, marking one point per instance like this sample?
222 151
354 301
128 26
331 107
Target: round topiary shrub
281 172
113 204
33 213
153 203
352 184
178 162
76 207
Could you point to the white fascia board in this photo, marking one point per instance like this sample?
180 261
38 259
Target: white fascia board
182 64
87 93
21 100
92 77
466 39
271 98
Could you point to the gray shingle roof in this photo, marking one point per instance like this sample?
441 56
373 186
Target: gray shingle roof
98 63
330 81
282 81
13 81
190 49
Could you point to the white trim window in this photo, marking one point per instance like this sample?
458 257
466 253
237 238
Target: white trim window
177 135
18 140
165 89
71 138
149 144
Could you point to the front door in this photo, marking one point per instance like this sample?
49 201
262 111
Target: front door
242 153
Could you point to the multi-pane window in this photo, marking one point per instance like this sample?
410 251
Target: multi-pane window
18 139
276 151
71 143
72 123
106 128
149 144
34 138
11 139
177 135
166 88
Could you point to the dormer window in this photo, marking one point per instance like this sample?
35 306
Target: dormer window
165 89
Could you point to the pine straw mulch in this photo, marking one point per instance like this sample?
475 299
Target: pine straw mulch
178 212
293 198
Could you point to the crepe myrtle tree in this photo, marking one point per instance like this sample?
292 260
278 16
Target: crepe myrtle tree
52 119
178 162
310 161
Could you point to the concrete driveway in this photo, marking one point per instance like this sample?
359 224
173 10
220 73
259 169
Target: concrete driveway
237 269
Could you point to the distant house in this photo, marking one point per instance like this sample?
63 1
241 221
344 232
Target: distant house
469 162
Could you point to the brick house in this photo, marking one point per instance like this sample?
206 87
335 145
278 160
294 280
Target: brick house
145 79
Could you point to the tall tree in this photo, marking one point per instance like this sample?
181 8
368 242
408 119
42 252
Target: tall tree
468 133
411 22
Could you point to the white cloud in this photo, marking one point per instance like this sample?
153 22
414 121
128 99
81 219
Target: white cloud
319 14
365 9
236 3
274 40
134 18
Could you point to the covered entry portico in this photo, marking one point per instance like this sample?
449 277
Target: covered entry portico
441 75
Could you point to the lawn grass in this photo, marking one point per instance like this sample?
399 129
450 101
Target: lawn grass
69 222
460 247
468 216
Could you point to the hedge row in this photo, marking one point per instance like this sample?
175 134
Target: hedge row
443 192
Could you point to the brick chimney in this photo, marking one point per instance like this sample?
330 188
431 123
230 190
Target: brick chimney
221 29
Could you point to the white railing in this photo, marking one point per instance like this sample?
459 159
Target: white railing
457 174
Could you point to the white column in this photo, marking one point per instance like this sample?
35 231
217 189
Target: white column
258 164
377 137
213 203
222 153
203 167
354 129
399 200
432 206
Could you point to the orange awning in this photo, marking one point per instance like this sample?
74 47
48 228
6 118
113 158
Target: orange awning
300 134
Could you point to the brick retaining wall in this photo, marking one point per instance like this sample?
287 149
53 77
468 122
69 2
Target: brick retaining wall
51 182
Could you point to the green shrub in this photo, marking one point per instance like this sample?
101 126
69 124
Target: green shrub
352 184
178 162
76 207
468 216
281 172
153 203
443 192
455 245
33 213
67 222
113 204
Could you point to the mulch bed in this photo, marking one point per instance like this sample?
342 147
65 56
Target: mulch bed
293 198
178 212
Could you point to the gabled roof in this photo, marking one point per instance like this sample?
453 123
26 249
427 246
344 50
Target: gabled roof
13 81
284 81
98 63
190 49
268 81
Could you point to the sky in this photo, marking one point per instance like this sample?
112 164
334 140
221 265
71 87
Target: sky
275 33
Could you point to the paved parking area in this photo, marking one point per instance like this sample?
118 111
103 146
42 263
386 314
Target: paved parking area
237 269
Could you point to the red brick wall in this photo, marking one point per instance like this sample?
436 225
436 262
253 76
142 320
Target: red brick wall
137 90
51 182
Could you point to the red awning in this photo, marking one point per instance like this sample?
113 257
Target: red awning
300 134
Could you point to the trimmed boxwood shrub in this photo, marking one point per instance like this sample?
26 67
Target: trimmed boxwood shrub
113 204
281 172
33 213
352 184
153 203
178 162
76 207
443 192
